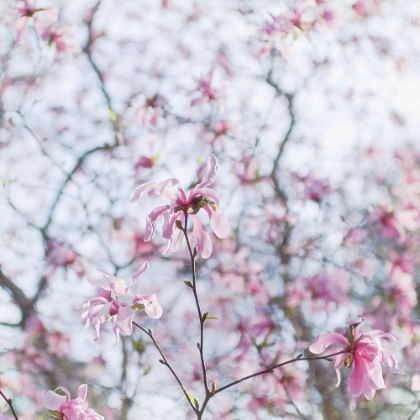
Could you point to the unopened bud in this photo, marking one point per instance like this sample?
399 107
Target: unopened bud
213 388
188 283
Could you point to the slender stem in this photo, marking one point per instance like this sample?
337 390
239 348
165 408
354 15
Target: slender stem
271 368
10 404
414 413
165 362
200 345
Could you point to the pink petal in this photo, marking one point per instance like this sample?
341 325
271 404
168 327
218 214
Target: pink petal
218 221
160 188
143 268
337 371
152 306
388 357
201 238
206 192
339 360
356 378
325 341
52 13
97 279
210 172
117 285
151 222
168 228
82 392
53 401
141 190
124 320
176 241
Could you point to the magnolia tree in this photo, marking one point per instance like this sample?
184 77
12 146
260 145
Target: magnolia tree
209 210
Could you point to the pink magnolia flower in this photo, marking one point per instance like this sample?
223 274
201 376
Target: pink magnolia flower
209 93
316 189
122 304
183 206
27 9
62 37
364 353
150 110
68 408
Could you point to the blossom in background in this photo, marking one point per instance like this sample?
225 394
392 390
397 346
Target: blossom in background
62 38
394 223
68 408
209 93
26 10
121 305
363 352
149 111
315 189
182 206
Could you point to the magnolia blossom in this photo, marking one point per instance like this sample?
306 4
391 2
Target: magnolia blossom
68 408
26 10
363 352
121 305
184 206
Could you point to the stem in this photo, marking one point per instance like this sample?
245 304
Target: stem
271 368
165 362
414 413
200 345
10 404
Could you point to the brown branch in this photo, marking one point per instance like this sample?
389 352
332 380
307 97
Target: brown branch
25 305
165 362
10 404
272 368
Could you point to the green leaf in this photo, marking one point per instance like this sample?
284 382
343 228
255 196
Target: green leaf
137 307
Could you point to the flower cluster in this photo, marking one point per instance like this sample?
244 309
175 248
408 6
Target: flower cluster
63 407
182 207
363 352
121 305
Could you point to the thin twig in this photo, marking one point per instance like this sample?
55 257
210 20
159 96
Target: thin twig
414 413
10 404
271 368
197 302
165 362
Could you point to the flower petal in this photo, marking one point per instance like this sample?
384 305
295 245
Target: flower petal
123 320
151 305
160 188
151 222
324 341
82 392
218 221
201 238
53 401
143 268
210 172
99 280
141 190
